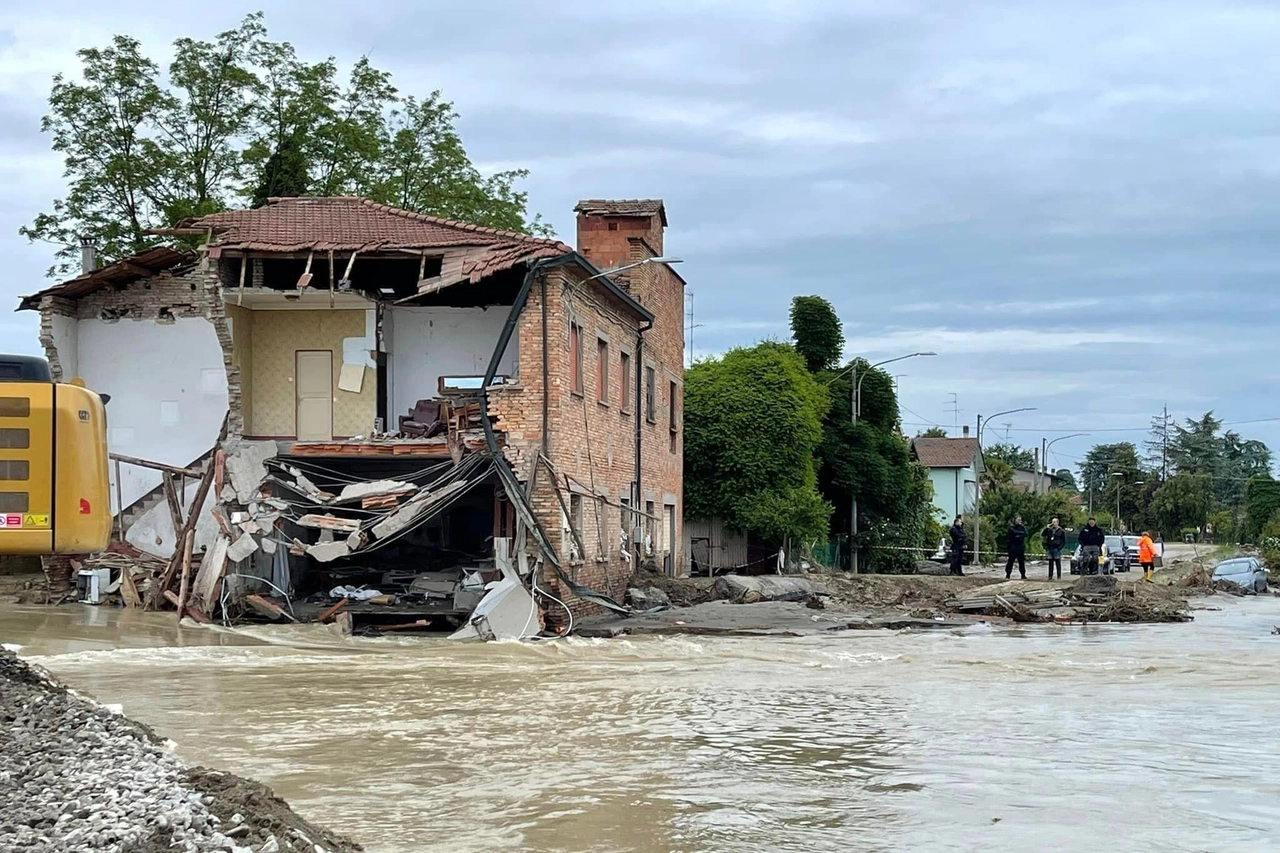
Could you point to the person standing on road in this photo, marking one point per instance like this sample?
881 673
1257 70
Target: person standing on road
957 545
1054 539
1017 548
1092 538
1147 555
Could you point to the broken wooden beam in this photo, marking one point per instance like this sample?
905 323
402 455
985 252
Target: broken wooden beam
328 615
159 466
189 526
265 607
175 506
187 545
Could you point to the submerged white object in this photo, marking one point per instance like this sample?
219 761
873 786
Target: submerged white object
506 612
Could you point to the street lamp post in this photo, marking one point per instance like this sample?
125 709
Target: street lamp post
1048 445
977 484
855 405
1115 522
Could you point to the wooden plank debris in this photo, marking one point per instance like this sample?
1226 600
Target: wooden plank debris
205 590
265 607
175 506
129 589
329 614
187 546
193 515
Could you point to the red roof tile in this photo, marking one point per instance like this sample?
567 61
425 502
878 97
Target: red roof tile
146 263
622 207
348 223
945 452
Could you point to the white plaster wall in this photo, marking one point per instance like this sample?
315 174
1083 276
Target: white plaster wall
65 341
427 343
153 531
168 388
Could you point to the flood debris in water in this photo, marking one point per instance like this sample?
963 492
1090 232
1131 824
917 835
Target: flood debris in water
79 777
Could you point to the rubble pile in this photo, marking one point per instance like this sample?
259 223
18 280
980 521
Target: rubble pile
76 777
1092 598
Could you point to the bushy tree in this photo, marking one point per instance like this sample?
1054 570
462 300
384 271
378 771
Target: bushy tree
753 421
1012 455
871 460
1262 502
1066 480
932 432
817 332
1184 500
1002 501
240 118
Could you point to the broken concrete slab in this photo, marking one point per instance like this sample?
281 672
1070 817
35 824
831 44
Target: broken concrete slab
748 590
242 548
329 522
377 488
245 468
268 545
326 552
409 512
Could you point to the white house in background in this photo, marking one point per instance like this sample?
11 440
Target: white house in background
954 465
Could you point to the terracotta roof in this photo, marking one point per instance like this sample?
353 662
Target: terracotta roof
349 223
143 264
622 207
945 452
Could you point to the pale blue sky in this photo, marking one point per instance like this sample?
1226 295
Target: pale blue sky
1074 203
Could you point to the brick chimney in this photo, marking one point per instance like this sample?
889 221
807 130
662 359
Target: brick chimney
607 227
966 431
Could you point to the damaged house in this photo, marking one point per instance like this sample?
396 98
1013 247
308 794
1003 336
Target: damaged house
387 403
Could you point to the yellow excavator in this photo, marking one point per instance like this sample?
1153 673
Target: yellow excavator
54 493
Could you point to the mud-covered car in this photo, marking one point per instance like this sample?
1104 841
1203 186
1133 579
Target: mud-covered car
1244 572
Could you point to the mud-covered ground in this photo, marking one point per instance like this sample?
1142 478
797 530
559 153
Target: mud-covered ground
75 776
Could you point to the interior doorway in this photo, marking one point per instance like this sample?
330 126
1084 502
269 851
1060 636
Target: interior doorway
313 374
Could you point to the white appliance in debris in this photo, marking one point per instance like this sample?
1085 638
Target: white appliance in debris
91 585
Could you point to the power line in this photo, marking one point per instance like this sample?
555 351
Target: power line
1147 428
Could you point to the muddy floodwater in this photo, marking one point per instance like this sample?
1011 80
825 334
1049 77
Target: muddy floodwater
1068 739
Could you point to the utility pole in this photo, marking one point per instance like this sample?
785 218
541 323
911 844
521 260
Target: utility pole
1044 462
853 514
977 502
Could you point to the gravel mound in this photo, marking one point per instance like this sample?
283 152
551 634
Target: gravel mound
75 776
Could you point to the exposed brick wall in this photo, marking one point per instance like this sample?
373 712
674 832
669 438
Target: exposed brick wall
51 306
662 292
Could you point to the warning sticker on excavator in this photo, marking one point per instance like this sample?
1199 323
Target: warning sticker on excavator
14 520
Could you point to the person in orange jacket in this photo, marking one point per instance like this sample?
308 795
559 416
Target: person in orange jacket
1147 555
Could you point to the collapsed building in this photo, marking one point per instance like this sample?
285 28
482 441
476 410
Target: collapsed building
386 403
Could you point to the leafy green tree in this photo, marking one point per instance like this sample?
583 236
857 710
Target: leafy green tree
1262 502
240 118
284 174
1101 462
1066 480
106 129
1184 500
753 420
1195 448
817 332
932 432
1002 500
1012 455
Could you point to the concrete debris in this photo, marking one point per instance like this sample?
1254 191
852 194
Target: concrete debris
245 468
651 598
268 545
748 590
416 506
242 548
329 522
378 488
327 552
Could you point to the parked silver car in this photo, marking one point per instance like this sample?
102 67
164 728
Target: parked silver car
1247 572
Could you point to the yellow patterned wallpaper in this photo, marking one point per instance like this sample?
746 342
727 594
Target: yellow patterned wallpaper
276 338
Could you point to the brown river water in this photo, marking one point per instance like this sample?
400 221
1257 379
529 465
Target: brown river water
1066 739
